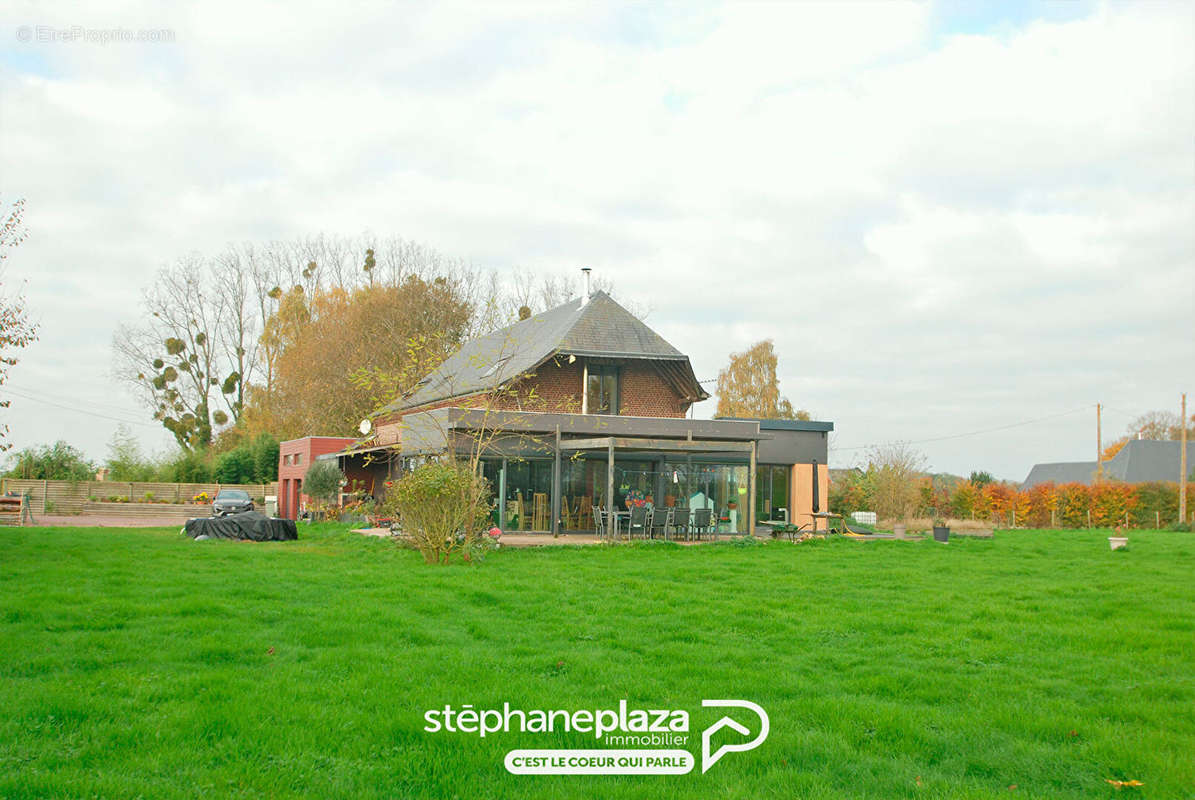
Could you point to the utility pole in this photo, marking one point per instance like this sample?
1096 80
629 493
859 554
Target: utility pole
1099 446
1182 463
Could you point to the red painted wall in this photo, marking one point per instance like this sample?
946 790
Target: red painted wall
295 457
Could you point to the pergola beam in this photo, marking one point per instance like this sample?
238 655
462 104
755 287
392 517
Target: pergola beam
667 445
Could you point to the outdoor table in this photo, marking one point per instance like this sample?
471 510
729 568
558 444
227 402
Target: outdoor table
614 517
827 516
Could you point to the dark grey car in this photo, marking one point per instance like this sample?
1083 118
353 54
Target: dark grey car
231 501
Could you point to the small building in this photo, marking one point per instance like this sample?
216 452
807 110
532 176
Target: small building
585 406
295 457
1139 461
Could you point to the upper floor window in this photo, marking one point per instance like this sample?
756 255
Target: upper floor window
601 390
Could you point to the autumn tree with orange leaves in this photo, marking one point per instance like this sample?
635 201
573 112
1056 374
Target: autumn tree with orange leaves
749 387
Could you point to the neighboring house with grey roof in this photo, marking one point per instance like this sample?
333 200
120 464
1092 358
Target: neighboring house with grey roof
1139 461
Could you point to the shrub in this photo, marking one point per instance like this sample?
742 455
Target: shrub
57 462
1110 502
1074 501
1157 502
234 466
186 467
443 508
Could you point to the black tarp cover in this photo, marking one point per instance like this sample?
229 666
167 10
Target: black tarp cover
250 525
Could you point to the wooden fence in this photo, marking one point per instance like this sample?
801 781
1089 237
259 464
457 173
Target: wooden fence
73 497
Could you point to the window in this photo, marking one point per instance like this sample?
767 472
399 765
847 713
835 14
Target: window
298 458
601 391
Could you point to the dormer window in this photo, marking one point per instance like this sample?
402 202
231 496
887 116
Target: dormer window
601 390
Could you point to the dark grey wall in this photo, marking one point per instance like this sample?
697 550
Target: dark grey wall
793 447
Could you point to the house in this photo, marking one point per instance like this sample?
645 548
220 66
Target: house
1139 461
582 406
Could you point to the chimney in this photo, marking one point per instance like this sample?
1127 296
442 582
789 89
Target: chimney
586 293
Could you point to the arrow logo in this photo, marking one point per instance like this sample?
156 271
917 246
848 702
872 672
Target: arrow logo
708 760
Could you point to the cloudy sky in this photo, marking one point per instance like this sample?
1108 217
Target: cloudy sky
952 218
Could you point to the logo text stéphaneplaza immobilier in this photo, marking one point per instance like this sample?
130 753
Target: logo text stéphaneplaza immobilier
649 740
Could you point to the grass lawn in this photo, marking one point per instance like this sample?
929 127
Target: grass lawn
136 663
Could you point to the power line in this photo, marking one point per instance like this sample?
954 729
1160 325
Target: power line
40 396
973 433
78 410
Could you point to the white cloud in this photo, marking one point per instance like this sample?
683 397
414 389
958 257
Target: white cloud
940 232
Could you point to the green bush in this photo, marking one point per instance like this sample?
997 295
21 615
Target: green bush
1157 501
56 462
443 508
186 467
234 466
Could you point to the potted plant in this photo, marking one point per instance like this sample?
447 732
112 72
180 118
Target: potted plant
1118 540
941 530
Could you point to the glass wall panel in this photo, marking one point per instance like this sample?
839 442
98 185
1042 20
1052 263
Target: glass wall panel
771 494
528 495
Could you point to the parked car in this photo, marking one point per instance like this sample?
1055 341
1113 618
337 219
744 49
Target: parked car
231 501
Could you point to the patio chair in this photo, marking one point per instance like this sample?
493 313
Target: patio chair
702 523
540 519
599 522
658 522
585 513
637 522
680 522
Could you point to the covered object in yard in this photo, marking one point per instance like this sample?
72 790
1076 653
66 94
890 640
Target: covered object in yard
252 525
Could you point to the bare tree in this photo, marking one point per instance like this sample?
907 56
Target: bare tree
16 329
1161 425
173 357
894 470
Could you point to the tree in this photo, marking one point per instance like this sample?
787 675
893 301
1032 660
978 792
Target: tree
981 478
895 469
748 387
353 349
125 461
323 481
16 329
176 356
1160 425
57 462
1111 450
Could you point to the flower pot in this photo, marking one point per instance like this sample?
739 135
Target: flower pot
941 533
1117 542
899 529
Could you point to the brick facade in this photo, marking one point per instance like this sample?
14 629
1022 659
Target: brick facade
295 457
556 387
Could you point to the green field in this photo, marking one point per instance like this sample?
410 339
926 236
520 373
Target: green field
136 663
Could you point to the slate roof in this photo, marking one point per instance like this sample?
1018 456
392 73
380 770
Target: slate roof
1139 461
1060 472
598 328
